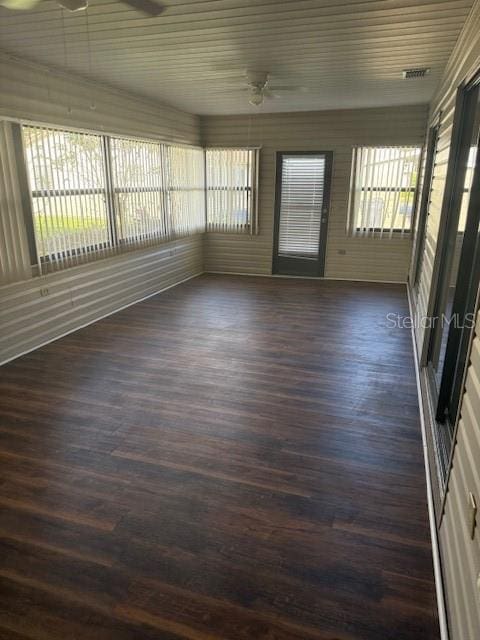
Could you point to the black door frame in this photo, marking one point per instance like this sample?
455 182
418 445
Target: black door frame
448 392
304 267
465 298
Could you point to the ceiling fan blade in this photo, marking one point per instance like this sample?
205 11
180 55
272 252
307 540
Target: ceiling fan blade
230 90
289 88
149 7
270 95
22 5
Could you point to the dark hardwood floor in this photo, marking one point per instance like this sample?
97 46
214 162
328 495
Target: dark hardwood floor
236 458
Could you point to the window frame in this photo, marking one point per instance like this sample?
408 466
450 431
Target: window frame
86 250
115 244
171 188
379 232
25 191
144 239
251 226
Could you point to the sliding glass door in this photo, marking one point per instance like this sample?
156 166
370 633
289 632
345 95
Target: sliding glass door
301 212
458 271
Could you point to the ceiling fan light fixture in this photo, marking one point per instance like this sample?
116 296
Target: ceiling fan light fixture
256 98
256 78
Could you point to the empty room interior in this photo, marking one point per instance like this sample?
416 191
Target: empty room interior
239 320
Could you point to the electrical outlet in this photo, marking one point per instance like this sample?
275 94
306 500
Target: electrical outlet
44 292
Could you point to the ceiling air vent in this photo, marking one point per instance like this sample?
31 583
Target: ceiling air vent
409 74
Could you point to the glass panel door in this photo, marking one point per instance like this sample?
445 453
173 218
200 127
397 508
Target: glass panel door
303 185
458 274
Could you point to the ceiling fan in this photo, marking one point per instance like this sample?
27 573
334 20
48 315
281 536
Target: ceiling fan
259 87
151 8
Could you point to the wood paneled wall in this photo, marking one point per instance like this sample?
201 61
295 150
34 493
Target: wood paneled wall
35 93
38 309
338 131
41 309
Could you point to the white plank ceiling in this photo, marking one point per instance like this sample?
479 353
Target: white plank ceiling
342 53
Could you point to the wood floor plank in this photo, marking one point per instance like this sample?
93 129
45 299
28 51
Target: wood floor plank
237 458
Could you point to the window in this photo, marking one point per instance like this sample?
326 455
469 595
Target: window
138 188
186 190
384 183
69 198
93 194
231 183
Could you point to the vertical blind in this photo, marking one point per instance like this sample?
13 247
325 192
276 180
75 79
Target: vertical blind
186 189
231 185
384 184
93 195
139 190
69 194
303 181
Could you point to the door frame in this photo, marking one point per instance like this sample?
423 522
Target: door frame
452 380
318 266
466 290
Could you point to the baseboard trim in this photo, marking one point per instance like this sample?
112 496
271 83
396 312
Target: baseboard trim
437 565
278 275
105 315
